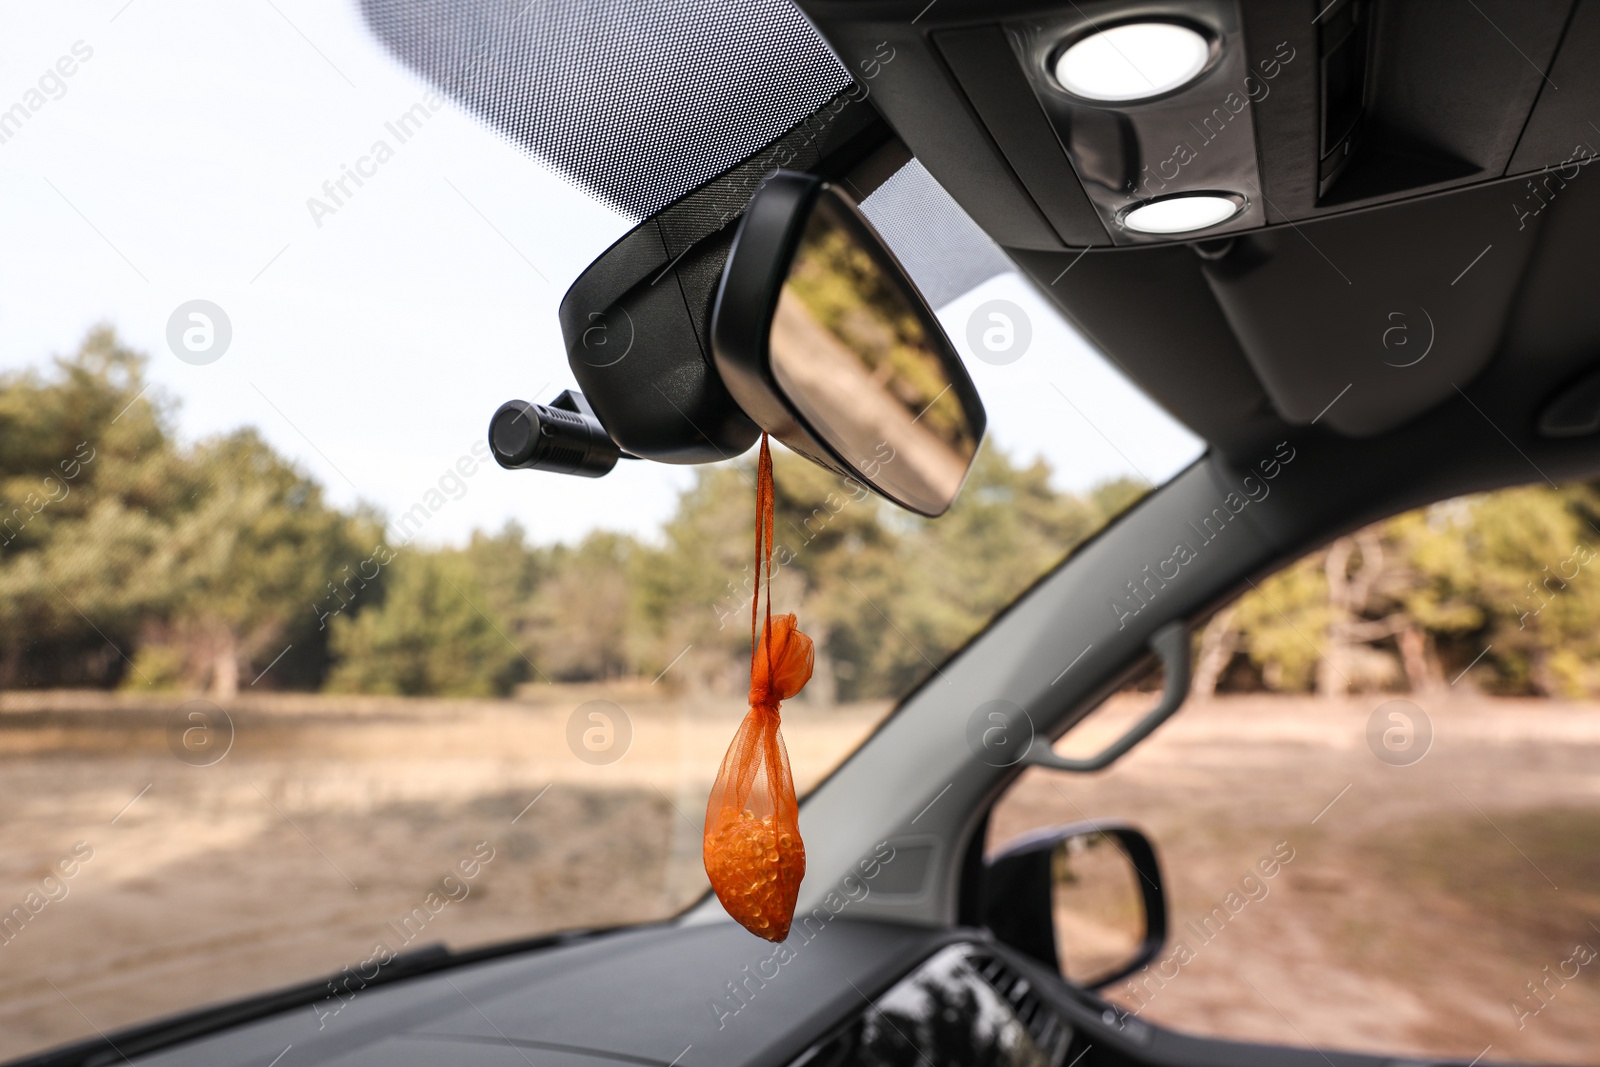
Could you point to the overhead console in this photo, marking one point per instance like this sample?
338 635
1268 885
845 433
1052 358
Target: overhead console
1154 145
1075 118
1267 212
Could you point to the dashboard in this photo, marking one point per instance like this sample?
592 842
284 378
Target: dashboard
840 993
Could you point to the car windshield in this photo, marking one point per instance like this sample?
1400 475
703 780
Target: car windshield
292 676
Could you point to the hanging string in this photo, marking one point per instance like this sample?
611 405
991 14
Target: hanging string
761 692
752 849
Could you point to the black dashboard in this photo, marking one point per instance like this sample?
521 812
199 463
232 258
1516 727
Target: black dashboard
847 994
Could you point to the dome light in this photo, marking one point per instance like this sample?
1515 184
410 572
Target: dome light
1133 61
1183 212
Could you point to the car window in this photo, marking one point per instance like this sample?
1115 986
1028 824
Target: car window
292 678
1377 814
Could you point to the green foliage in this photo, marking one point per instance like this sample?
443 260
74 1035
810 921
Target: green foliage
128 558
88 483
1505 582
113 539
199 565
887 596
431 635
1515 570
244 561
1283 621
581 618
928 585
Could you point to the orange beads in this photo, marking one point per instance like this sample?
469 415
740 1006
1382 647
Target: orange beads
752 849
757 867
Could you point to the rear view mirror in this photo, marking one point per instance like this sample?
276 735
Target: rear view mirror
1084 899
823 340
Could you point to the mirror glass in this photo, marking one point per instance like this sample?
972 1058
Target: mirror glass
862 360
1097 906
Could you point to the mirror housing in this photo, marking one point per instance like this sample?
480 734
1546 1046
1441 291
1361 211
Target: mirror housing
636 321
1017 900
839 382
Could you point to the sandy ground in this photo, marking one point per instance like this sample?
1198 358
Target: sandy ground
326 823
1414 910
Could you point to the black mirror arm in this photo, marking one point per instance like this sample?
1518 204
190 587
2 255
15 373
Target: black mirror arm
1171 646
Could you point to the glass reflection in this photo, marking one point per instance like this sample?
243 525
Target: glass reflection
1098 907
858 358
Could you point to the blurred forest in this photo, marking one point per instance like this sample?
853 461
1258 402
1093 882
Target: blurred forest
131 559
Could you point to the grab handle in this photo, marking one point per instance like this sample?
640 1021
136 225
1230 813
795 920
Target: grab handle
1171 646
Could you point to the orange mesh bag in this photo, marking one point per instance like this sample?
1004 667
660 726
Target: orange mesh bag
753 853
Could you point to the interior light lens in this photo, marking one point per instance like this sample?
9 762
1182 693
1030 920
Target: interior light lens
1183 213
1133 61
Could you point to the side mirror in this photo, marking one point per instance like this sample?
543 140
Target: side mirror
1084 899
822 339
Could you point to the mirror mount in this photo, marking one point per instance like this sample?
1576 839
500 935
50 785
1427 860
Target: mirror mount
1017 899
1171 646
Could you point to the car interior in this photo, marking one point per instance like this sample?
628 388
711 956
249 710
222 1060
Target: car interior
1342 242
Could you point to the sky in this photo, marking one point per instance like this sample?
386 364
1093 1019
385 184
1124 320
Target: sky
371 343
